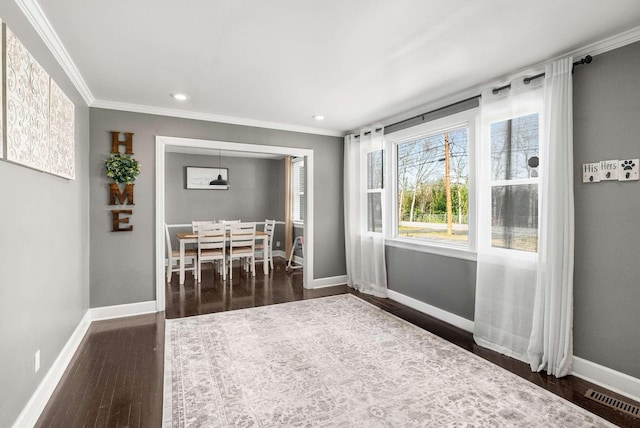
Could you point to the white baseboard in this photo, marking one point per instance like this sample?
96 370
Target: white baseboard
613 380
36 404
329 281
610 379
441 314
120 311
281 253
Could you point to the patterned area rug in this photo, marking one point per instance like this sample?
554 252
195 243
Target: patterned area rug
340 362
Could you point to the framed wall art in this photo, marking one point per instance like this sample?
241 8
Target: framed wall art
201 177
39 117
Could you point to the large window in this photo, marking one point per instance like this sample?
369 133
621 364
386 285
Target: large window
434 177
297 192
432 166
514 183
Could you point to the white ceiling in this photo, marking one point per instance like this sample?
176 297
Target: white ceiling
277 63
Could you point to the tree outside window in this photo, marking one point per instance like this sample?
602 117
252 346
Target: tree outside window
433 187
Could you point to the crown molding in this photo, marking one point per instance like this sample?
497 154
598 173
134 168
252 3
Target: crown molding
609 44
31 9
184 114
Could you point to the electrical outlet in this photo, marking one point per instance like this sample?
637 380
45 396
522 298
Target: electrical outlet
36 361
277 244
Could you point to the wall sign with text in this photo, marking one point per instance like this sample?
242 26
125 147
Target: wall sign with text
123 169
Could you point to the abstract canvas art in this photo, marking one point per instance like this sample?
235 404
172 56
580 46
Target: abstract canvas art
61 133
40 118
27 106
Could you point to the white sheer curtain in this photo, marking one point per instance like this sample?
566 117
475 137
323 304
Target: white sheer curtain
363 202
506 269
524 292
551 345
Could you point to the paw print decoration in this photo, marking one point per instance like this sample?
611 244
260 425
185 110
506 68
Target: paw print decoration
628 169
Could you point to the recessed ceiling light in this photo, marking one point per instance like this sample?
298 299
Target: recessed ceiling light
318 117
179 97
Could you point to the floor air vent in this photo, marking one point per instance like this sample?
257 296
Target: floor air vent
607 400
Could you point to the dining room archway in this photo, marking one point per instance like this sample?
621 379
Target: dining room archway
164 142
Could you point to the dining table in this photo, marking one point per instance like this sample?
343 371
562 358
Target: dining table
192 238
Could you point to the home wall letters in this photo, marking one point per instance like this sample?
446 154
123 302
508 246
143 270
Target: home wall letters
123 169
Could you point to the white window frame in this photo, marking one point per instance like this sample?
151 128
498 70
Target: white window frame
367 192
470 120
295 192
529 104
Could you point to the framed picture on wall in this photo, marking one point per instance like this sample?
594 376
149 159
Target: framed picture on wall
200 177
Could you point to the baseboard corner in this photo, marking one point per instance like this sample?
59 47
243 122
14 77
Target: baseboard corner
125 310
329 281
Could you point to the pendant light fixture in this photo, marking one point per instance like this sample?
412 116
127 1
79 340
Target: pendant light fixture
219 181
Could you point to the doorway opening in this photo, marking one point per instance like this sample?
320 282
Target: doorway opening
163 143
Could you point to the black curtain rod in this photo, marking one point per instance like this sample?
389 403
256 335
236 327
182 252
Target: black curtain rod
436 110
586 60
368 132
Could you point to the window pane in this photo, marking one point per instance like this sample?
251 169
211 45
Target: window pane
300 203
300 174
297 191
514 148
433 199
514 217
375 171
374 212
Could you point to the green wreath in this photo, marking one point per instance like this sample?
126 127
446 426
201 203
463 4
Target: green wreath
122 168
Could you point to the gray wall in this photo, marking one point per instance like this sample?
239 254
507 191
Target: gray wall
607 268
44 250
256 193
122 264
444 282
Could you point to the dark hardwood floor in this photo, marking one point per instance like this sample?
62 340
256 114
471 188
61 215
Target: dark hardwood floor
116 377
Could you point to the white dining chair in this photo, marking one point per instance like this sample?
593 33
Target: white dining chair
269 227
174 256
228 223
195 224
242 242
212 247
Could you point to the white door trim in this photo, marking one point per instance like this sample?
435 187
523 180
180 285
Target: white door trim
162 142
